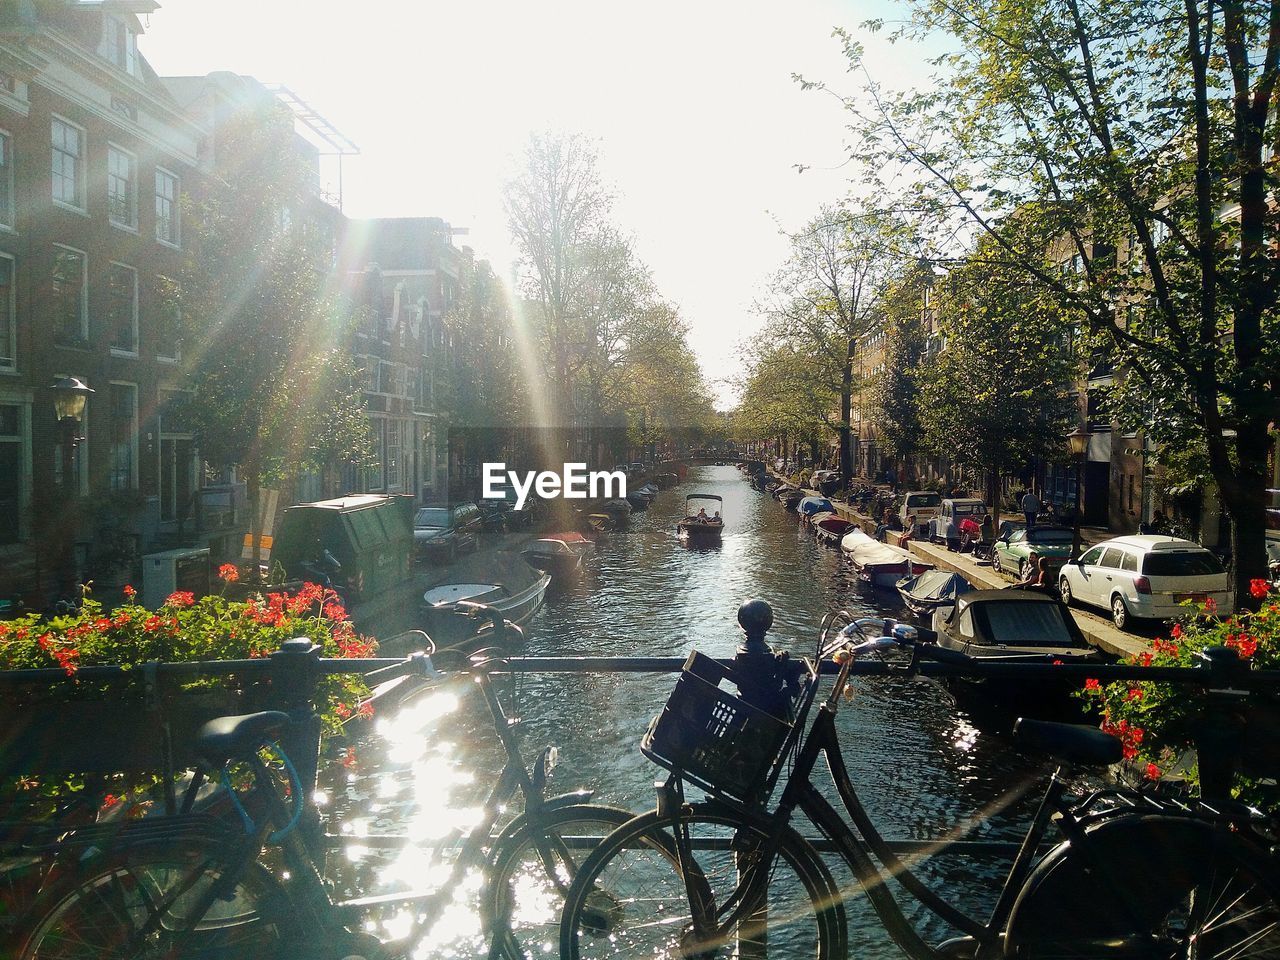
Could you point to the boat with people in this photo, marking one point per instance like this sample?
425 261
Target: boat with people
702 521
448 625
932 589
879 564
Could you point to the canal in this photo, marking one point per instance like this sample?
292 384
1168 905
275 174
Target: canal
925 768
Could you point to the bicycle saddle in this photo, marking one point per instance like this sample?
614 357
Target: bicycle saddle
223 738
1069 741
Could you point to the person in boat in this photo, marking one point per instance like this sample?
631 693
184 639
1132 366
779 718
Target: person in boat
717 517
702 515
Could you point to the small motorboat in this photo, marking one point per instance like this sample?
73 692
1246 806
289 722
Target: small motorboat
619 511
829 529
448 625
702 521
932 589
560 554
879 564
638 501
1016 626
664 480
791 498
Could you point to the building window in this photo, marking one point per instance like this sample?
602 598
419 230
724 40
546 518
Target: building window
68 164
168 314
6 179
120 44
70 303
167 207
122 308
13 469
122 187
8 315
178 480
395 445
123 474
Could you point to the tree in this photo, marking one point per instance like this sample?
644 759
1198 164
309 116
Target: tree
1142 131
825 298
896 396
273 389
998 395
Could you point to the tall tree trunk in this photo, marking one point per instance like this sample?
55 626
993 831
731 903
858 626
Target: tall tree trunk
1243 489
846 413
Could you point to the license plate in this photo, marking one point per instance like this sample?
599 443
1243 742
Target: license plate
1197 597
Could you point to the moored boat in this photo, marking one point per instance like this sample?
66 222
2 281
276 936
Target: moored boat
448 625
879 564
810 506
932 589
829 529
560 554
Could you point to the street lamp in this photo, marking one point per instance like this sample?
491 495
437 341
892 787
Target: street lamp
1077 444
70 395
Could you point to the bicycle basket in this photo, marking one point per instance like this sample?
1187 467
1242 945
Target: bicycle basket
711 737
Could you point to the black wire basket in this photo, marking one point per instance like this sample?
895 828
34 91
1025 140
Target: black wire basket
713 738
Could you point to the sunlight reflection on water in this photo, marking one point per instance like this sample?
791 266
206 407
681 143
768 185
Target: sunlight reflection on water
923 767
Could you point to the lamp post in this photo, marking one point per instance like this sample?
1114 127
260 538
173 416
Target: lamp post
70 396
1077 444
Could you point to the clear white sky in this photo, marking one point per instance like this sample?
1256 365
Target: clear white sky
698 120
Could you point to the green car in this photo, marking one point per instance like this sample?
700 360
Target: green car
1052 542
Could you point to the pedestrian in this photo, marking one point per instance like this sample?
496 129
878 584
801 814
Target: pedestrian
1159 525
1035 574
1030 507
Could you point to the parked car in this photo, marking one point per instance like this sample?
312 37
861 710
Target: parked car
442 532
924 505
1144 577
945 527
1013 551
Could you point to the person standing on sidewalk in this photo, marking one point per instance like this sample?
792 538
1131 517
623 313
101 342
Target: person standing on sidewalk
1030 507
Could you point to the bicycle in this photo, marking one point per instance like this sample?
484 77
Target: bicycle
1132 876
196 885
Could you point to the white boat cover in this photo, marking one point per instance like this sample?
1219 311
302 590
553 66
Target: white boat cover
865 552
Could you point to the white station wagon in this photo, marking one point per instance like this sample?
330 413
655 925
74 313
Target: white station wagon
1144 577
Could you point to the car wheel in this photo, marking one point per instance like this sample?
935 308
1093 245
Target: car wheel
1064 590
1120 613
1024 569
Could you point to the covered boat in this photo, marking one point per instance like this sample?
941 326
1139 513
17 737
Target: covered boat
932 589
879 564
810 505
1016 626
829 529
702 521
447 625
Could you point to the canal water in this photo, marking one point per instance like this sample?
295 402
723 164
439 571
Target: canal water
925 768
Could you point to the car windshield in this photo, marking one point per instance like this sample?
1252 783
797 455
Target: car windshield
967 509
1026 625
1187 563
924 500
432 517
1050 537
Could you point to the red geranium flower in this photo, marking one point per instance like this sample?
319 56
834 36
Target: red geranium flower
1153 772
1259 589
1092 684
130 592
1176 632
180 598
228 573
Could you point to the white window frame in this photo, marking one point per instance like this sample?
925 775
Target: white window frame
117 351
175 204
7 210
84 290
156 309
80 160
133 440
111 40
11 348
131 224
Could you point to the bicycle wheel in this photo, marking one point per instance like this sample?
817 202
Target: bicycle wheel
139 905
531 868
1189 890
631 899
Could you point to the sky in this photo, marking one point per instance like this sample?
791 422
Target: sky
697 119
